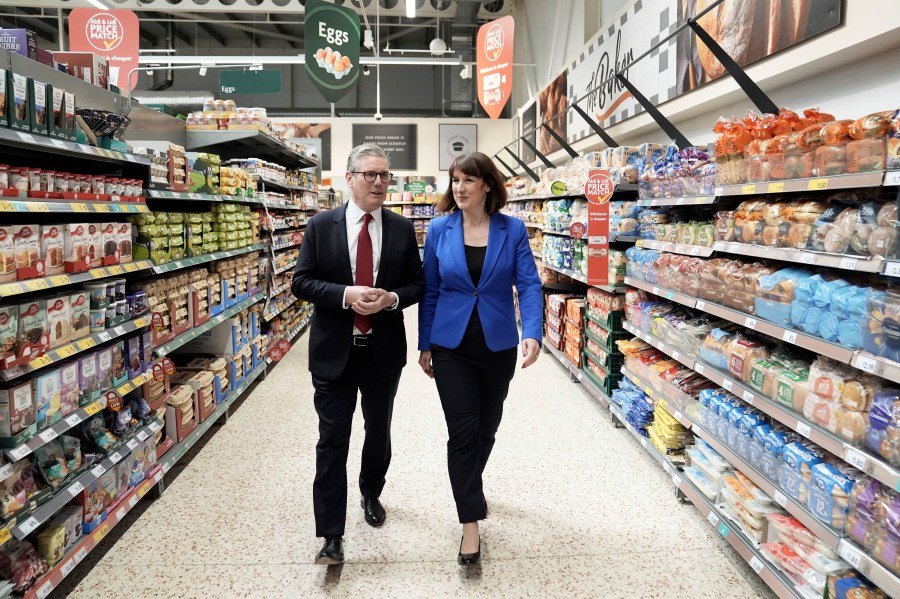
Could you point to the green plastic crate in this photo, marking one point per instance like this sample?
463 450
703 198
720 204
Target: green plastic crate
613 323
608 385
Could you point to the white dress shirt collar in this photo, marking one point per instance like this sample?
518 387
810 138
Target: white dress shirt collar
355 213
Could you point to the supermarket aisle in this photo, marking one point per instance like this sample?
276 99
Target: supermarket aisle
577 509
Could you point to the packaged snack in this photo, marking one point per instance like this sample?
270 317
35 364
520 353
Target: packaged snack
80 313
105 367
796 473
27 243
741 354
59 320
9 326
46 391
109 240
7 254
77 246
88 376
829 498
16 408
791 389
69 392
53 248
852 586
51 543
884 426
96 244
32 338
21 564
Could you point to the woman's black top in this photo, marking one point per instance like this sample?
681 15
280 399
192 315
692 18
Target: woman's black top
475 261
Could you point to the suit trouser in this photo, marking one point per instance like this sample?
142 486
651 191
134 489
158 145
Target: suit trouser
335 402
473 382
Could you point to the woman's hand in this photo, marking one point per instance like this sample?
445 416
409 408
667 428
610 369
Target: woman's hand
425 363
531 349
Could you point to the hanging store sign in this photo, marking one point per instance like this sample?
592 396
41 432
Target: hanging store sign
332 48
112 34
250 81
495 64
598 189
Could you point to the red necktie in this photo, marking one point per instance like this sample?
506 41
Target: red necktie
365 269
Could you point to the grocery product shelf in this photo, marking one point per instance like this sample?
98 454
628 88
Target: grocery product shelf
234 143
555 232
282 185
410 203
814 344
54 577
653 393
197 260
20 451
66 148
537 254
872 465
14 204
675 248
534 226
195 332
11 289
569 273
623 238
563 359
846 262
295 333
285 227
282 206
878 366
874 179
285 268
67 351
687 201
270 315
422 216
621 187
66 493
165 194
284 246
177 452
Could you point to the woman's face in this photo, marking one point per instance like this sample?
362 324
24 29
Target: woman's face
469 191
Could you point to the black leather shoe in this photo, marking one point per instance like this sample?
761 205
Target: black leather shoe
469 559
332 552
373 511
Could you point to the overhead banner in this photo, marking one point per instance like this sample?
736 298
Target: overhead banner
456 140
397 141
332 48
495 64
112 34
553 104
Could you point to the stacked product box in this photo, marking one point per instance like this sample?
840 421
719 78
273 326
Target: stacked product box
604 313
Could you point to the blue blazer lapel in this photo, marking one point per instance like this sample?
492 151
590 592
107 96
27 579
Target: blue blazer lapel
457 242
341 245
496 239
387 243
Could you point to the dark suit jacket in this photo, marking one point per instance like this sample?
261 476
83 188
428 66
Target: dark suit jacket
323 272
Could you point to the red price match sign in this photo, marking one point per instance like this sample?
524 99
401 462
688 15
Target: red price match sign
598 189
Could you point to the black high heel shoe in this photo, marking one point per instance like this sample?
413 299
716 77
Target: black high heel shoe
469 559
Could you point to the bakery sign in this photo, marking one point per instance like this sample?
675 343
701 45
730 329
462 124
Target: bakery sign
591 76
112 34
332 48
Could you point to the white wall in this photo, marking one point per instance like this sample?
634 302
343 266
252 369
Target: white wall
849 72
492 135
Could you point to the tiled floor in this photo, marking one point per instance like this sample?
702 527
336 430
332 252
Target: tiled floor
577 509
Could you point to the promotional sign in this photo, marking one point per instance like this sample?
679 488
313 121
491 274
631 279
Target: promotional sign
553 102
276 354
495 64
113 401
302 132
168 366
397 141
332 48
250 81
456 140
112 34
598 189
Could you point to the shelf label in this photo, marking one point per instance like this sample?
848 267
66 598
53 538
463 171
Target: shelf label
807 258
643 442
100 207
803 428
776 187
28 526
126 388
93 408
851 554
86 343
40 362
80 555
892 178
155 426
132 445
60 280
748 397
166 467
678 415
115 458
75 488
700 305
48 435
98 470
7 206
44 590
120 514
655 291
817 184
116 270
750 323
719 191
727 385
748 189
19 452
66 351
780 498
855 458
73 420
789 336
667 467
67 568
104 337
848 263
723 530
676 354
130 267
866 363
119 330
676 480
699 368
133 501
713 518
756 564
27 137
36 285
101 532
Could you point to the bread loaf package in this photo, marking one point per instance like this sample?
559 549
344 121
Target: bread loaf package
866 507
714 350
796 472
774 294
883 436
741 355
829 498
884 539
791 389
741 293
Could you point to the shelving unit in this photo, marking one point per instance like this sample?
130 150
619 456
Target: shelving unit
204 259
196 331
13 289
240 143
12 204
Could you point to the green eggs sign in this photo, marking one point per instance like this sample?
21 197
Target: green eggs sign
332 48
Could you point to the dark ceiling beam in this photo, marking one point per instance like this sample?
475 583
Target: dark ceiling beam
283 31
36 23
211 32
250 36
190 41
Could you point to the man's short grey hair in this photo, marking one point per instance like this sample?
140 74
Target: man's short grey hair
365 150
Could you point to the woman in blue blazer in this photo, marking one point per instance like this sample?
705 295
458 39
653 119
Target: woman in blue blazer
467 324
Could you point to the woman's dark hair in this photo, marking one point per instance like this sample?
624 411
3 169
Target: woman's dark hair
478 165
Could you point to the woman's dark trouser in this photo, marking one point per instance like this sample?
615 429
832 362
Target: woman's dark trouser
473 382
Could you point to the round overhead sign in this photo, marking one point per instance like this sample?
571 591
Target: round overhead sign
599 188
104 31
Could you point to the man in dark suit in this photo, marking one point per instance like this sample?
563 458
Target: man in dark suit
359 264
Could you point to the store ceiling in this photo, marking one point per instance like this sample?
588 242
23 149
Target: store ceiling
203 26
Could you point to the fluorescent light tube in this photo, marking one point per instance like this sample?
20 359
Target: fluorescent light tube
98 4
410 9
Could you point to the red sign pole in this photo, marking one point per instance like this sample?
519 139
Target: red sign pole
598 189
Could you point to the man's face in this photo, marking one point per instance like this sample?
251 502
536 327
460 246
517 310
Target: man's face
368 196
